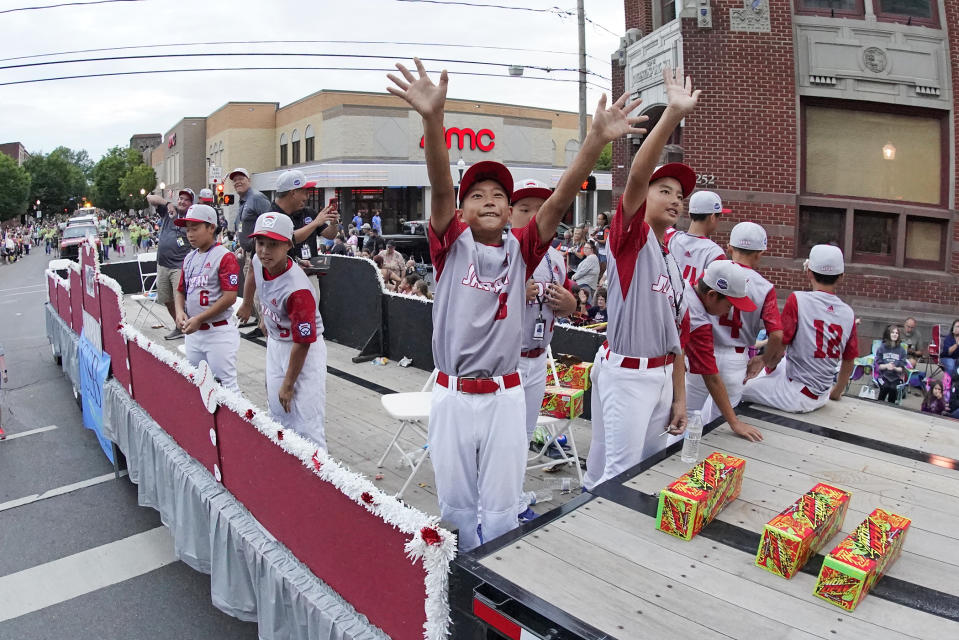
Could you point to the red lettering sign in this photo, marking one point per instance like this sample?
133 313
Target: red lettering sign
484 139
171 141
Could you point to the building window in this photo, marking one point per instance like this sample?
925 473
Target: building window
284 159
924 12
572 147
820 225
874 237
667 11
925 243
295 139
310 147
865 153
833 8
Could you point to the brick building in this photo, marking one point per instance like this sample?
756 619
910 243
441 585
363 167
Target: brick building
825 121
16 151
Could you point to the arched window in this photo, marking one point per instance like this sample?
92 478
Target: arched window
284 159
310 144
572 147
295 139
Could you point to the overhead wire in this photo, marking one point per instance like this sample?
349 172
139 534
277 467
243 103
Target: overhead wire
63 4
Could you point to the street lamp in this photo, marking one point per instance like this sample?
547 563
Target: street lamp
461 167
162 189
143 192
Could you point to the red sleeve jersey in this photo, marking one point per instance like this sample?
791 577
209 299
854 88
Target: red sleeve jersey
301 306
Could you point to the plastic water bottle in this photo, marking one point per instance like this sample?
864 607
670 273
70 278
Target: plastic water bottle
694 433
532 497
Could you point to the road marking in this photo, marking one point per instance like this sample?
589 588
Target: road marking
14 436
54 582
59 491
32 286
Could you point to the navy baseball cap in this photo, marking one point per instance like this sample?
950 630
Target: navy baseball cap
486 170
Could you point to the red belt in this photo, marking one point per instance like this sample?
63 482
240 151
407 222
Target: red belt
740 349
806 392
533 353
637 363
220 323
477 385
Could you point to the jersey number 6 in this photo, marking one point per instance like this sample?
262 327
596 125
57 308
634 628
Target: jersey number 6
204 298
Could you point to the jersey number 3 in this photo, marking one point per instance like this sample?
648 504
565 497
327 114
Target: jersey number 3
832 344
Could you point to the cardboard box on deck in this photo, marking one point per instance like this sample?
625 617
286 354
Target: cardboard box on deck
697 497
562 402
856 564
571 371
800 530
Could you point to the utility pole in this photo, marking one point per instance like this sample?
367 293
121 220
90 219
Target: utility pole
581 26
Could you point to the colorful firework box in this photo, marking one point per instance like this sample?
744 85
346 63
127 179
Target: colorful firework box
561 402
697 497
572 372
856 564
792 537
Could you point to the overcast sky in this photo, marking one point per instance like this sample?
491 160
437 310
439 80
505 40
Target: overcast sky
98 113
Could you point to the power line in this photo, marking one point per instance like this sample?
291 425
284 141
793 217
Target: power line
378 69
64 4
279 54
555 10
599 26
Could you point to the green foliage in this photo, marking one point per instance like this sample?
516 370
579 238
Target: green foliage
14 188
605 161
57 181
139 177
108 175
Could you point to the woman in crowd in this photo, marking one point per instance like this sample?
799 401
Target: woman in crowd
587 273
949 352
598 313
891 364
934 402
389 278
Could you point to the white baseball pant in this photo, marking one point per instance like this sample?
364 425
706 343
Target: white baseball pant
532 371
630 409
308 408
778 391
732 370
218 346
479 459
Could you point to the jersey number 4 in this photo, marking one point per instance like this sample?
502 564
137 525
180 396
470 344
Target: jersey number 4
734 322
833 344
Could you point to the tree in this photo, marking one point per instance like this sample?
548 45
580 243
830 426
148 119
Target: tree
56 181
14 188
139 177
605 161
107 175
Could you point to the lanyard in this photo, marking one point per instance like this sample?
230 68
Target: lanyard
552 279
676 282
190 273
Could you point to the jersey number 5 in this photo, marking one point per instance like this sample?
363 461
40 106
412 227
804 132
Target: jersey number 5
734 322
832 345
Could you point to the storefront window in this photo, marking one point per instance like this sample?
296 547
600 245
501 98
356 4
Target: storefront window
925 242
820 225
871 154
874 237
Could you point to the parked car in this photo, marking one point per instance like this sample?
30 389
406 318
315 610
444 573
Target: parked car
73 236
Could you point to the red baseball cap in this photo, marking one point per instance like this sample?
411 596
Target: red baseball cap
486 170
681 172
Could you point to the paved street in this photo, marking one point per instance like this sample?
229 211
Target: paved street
79 558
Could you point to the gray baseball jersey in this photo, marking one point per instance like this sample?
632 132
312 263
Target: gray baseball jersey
646 304
552 268
820 330
274 295
480 297
692 253
737 329
206 276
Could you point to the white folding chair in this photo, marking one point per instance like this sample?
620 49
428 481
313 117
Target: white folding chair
555 427
148 296
411 409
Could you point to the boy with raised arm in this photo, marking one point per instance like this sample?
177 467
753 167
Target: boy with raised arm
476 434
637 390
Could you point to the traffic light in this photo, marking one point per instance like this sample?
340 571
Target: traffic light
589 184
228 199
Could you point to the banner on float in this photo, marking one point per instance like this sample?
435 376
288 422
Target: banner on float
94 369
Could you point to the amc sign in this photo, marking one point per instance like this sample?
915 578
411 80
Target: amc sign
484 139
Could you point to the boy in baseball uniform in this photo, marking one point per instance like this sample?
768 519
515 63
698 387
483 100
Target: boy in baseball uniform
637 392
205 295
737 331
819 331
693 249
295 351
721 289
548 296
476 436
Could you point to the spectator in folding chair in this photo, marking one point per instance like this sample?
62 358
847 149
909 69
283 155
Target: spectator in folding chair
934 401
949 350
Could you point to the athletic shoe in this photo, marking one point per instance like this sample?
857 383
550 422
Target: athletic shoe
174 335
256 333
527 515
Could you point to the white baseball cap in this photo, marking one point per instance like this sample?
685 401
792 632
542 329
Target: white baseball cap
188 191
275 225
530 188
197 213
826 259
749 236
206 195
293 179
240 170
706 202
728 278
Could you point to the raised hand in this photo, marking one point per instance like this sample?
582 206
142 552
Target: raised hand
614 122
421 94
679 94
